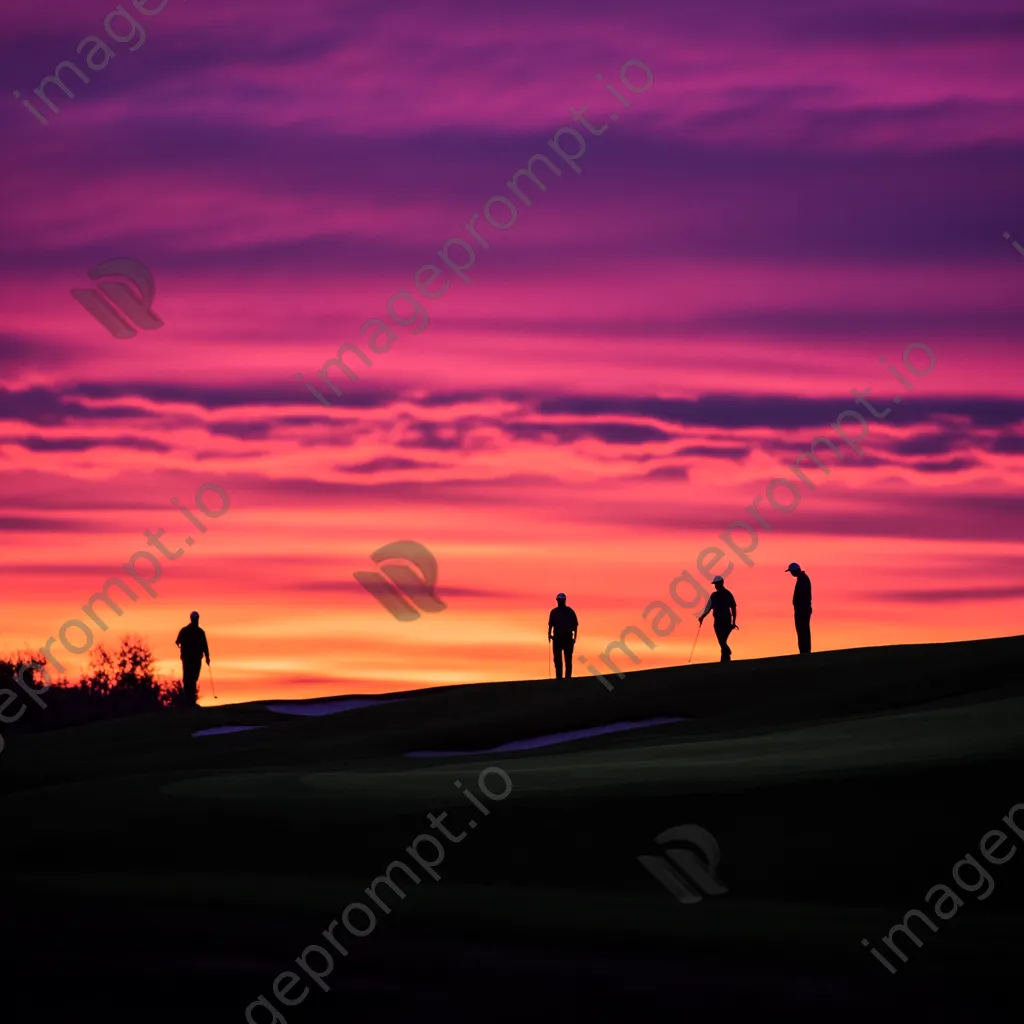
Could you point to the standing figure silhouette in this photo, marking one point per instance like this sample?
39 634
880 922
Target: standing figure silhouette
723 605
562 629
193 646
801 607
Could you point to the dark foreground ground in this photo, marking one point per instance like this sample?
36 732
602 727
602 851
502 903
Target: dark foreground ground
154 877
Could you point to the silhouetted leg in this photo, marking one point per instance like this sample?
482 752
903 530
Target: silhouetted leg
722 631
803 630
568 659
189 678
558 652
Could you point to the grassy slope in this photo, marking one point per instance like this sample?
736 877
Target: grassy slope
840 787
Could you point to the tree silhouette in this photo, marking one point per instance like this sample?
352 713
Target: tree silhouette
125 678
118 682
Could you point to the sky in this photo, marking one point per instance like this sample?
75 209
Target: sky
795 193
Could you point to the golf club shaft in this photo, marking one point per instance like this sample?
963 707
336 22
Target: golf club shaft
694 647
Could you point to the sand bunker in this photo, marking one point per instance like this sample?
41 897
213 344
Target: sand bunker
326 707
550 741
219 730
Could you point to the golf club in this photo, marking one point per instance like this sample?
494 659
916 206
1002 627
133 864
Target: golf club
694 647
209 672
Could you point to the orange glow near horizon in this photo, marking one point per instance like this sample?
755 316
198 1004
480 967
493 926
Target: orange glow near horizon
764 229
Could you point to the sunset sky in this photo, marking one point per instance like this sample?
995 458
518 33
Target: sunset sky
805 189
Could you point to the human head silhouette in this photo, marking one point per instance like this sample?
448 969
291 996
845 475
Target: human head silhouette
194 618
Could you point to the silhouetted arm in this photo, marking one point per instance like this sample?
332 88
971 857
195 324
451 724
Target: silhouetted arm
707 608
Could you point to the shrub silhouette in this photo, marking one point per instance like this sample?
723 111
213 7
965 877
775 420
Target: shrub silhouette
118 682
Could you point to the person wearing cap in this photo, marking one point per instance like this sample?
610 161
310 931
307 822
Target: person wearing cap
723 605
562 627
801 607
192 643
